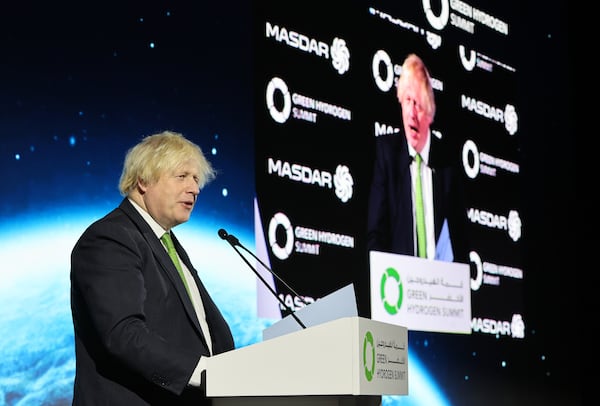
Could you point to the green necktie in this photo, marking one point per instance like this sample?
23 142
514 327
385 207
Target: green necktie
198 307
420 212
166 239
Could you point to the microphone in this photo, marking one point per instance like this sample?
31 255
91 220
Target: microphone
229 237
233 241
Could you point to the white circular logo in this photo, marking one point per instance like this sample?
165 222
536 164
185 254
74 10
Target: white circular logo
469 148
280 219
437 22
467 62
277 84
383 83
474 258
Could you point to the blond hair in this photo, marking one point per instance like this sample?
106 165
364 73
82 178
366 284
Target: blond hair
162 153
413 68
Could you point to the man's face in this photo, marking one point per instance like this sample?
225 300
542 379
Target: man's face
171 199
415 118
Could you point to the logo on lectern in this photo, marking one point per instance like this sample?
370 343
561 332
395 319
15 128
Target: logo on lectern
369 350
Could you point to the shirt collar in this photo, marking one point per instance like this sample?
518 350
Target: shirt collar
156 228
424 153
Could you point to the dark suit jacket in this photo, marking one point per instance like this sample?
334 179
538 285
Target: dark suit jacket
390 211
137 337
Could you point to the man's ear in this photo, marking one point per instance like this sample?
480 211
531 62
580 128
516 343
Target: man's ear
141 186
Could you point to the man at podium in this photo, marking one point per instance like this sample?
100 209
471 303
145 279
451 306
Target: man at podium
144 323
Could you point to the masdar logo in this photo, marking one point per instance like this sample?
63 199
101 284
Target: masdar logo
338 52
508 116
514 328
512 224
341 180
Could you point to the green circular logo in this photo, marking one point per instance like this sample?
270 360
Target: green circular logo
368 342
391 273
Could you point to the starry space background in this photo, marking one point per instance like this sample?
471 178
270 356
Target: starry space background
80 83
84 83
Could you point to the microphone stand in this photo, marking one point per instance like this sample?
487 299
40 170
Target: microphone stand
233 243
274 274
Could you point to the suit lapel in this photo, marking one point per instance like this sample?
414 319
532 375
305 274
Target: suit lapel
167 265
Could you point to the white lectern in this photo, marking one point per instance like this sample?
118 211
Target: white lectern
348 361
